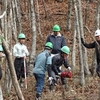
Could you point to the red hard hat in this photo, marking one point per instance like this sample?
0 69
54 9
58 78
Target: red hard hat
67 74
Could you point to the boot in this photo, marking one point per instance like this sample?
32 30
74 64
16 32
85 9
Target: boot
21 82
38 96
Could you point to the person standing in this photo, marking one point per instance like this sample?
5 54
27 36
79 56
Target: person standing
56 39
20 53
95 44
41 63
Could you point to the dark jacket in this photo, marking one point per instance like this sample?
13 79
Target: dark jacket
93 45
57 61
57 41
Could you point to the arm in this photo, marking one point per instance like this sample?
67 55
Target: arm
48 39
90 45
26 51
66 64
49 70
63 42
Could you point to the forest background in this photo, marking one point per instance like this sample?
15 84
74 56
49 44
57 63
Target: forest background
35 18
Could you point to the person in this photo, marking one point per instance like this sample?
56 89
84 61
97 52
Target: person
56 39
1 55
20 53
41 63
54 70
95 44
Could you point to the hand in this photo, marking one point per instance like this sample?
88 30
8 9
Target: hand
50 78
69 68
59 74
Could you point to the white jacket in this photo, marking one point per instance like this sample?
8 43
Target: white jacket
20 50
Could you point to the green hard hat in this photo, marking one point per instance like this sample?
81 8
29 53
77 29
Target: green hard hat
56 28
49 44
21 36
65 49
1 49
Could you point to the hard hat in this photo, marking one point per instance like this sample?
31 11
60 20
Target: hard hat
1 49
21 36
65 49
67 74
56 28
97 32
49 44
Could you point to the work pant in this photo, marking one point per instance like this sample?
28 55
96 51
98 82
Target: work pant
19 67
40 79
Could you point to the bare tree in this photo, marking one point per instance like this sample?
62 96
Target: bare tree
69 14
82 79
18 17
84 51
33 50
12 70
74 50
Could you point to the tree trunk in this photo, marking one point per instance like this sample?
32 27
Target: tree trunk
18 16
12 71
33 50
1 96
74 49
13 20
38 19
82 79
84 51
69 14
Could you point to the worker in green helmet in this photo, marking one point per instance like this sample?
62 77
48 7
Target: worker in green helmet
57 61
41 63
56 39
20 53
1 55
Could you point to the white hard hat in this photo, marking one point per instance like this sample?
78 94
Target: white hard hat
97 32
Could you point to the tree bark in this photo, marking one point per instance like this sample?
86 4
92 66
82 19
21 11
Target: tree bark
84 51
12 71
1 96
69 14
33 25
82 79
74 49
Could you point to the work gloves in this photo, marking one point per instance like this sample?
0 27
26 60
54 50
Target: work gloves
59 73
50 78
69 68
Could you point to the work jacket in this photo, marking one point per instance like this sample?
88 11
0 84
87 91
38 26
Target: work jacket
93 45
57 61
57 41
41 62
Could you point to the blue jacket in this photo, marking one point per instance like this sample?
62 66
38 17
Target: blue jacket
41 61
57 41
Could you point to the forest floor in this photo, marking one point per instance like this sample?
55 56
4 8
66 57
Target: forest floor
56 14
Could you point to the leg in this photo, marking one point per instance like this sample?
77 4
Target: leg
53 81
17 65
63 80
39 84
98 70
